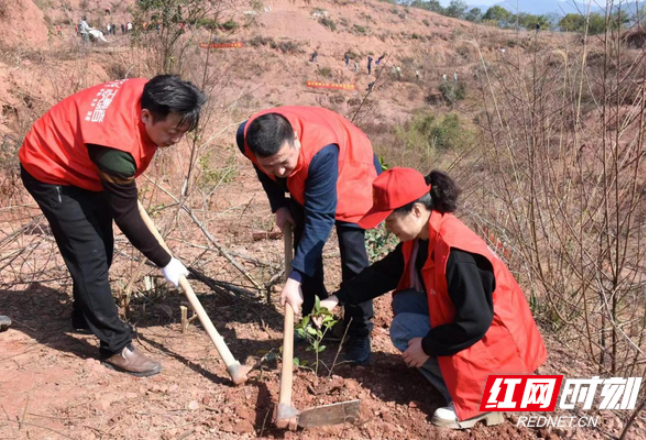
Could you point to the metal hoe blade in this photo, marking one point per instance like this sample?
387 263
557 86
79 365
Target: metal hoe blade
329 414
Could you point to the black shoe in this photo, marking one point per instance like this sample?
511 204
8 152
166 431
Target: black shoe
357 350
5 322
79 324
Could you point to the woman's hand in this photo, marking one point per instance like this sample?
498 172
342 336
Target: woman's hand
414 355
329 303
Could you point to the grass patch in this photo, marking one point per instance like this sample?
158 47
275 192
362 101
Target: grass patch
328 23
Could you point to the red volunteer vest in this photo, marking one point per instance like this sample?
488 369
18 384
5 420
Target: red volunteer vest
54 150
316 128
512 345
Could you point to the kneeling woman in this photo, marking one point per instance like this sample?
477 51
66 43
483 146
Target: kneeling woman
459 313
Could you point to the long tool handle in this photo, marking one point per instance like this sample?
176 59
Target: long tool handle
233 366
285 414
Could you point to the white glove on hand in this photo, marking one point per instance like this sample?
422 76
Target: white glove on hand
173 271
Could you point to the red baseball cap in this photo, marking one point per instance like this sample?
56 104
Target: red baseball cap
393 189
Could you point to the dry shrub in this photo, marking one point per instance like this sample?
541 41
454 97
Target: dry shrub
563 155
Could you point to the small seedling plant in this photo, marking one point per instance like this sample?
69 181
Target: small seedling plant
314 334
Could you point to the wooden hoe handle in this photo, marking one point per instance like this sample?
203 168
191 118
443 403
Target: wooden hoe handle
286 415
237 372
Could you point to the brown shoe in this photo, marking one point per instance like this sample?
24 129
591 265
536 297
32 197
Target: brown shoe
132 362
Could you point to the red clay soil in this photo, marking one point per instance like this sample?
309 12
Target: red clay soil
22 24
52 386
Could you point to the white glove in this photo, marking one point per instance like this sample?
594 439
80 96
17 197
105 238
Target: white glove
174 270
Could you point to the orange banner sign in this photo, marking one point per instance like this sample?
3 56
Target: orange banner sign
220 45
337 86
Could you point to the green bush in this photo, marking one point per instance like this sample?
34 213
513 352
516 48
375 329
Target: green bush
207 23
429 134
353 55
328 23
230 25
425 21
288 47
325 72
447 133
359 29
259 40
452 91
212 177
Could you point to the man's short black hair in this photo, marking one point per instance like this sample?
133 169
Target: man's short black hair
165 94
268 133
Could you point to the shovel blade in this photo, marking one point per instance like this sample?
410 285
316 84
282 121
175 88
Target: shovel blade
329 414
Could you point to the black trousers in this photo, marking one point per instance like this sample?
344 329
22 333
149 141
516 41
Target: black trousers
353 259
81 222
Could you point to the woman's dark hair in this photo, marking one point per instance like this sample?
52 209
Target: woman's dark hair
268 133
165 94
443 196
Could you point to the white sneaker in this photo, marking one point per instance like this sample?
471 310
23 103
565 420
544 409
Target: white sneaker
447 418
5 322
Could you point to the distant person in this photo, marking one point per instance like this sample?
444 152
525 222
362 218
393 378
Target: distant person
108 28
538 27
347 59
114 29
129 27
84 30
315 57
444 77
356 66
417 74
455 76
123 29
158 27
370 86
369 64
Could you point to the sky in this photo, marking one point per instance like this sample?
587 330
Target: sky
487 3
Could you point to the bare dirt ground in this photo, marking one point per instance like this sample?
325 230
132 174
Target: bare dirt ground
53 386
51 383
